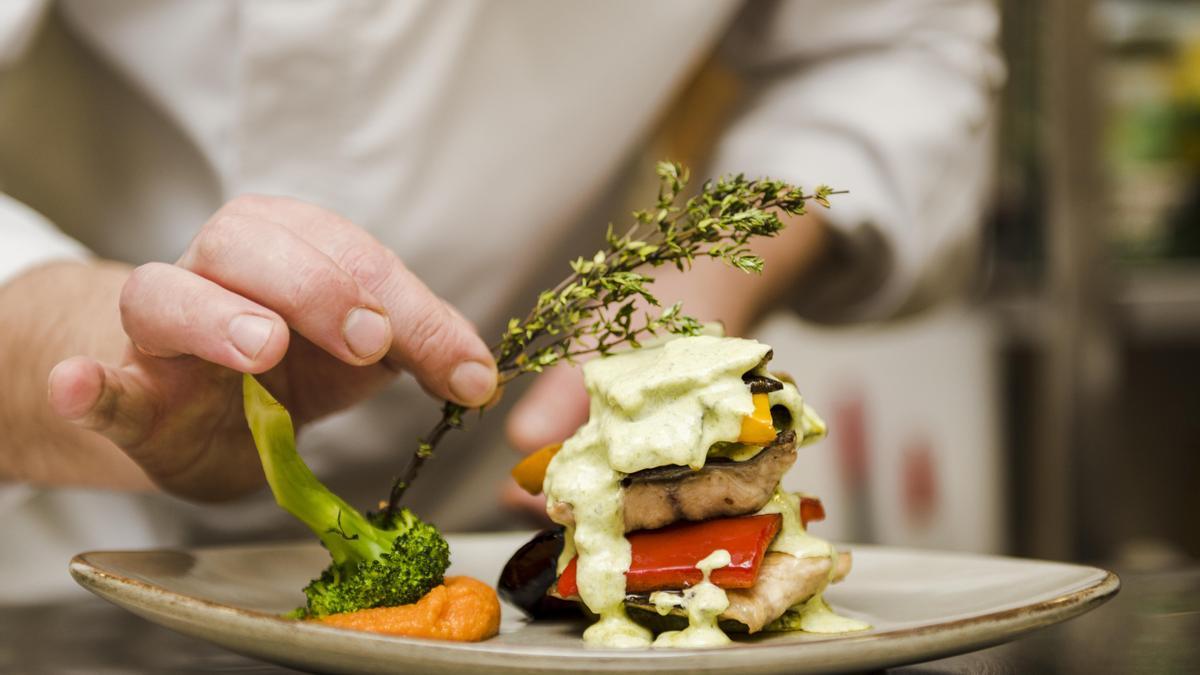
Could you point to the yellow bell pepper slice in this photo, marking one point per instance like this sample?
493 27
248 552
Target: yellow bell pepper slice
530 472
757 428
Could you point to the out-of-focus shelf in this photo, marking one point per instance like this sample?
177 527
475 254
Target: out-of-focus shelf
1159 302
1021 317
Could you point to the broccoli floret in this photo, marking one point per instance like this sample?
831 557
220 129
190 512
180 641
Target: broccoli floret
377 559
416 562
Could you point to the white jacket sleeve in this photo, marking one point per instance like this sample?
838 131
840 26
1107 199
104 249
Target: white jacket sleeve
19 20
891 100
26 238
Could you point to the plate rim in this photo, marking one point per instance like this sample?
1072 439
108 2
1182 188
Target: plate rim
896 646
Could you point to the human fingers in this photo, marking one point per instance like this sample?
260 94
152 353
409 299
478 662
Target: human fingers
553 408
168 422
167 311
431 339
269 264
513 498
101 398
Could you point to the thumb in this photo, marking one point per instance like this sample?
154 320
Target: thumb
553 408
101 398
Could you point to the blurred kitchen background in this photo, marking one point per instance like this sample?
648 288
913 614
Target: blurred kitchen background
1053 410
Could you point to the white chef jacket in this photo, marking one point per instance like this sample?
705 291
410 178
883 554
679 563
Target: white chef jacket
471 138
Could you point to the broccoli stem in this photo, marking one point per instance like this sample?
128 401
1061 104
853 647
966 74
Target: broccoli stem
346 533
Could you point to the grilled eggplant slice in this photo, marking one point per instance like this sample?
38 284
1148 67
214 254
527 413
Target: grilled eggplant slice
531 572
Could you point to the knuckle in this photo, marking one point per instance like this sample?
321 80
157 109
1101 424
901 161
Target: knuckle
217 239
194 308
371 266
313 282
142 280
103 414
430 333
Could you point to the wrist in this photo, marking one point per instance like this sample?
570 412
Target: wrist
47 314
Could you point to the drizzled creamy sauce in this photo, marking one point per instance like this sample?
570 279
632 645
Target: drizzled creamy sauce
662 405
817 617
703 603
793 539
814 615
593 489
670 404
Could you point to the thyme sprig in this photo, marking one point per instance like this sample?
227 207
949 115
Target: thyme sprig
605 302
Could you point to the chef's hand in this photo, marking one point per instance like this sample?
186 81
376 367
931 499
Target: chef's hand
317 307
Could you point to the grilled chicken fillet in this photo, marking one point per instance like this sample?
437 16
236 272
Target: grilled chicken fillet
784 581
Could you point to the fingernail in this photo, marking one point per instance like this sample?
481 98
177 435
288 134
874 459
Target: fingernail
472 383
366 332
249 333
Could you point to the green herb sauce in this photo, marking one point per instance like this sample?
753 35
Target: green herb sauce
703 602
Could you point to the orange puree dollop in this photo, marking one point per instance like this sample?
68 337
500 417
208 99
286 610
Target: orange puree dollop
461 609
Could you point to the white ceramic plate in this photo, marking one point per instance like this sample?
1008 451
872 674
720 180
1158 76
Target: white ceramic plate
922 604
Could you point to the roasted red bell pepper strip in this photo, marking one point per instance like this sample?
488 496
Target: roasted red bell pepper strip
811 510
666 559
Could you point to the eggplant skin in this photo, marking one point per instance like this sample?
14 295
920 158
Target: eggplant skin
761 384
530 574
644 614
